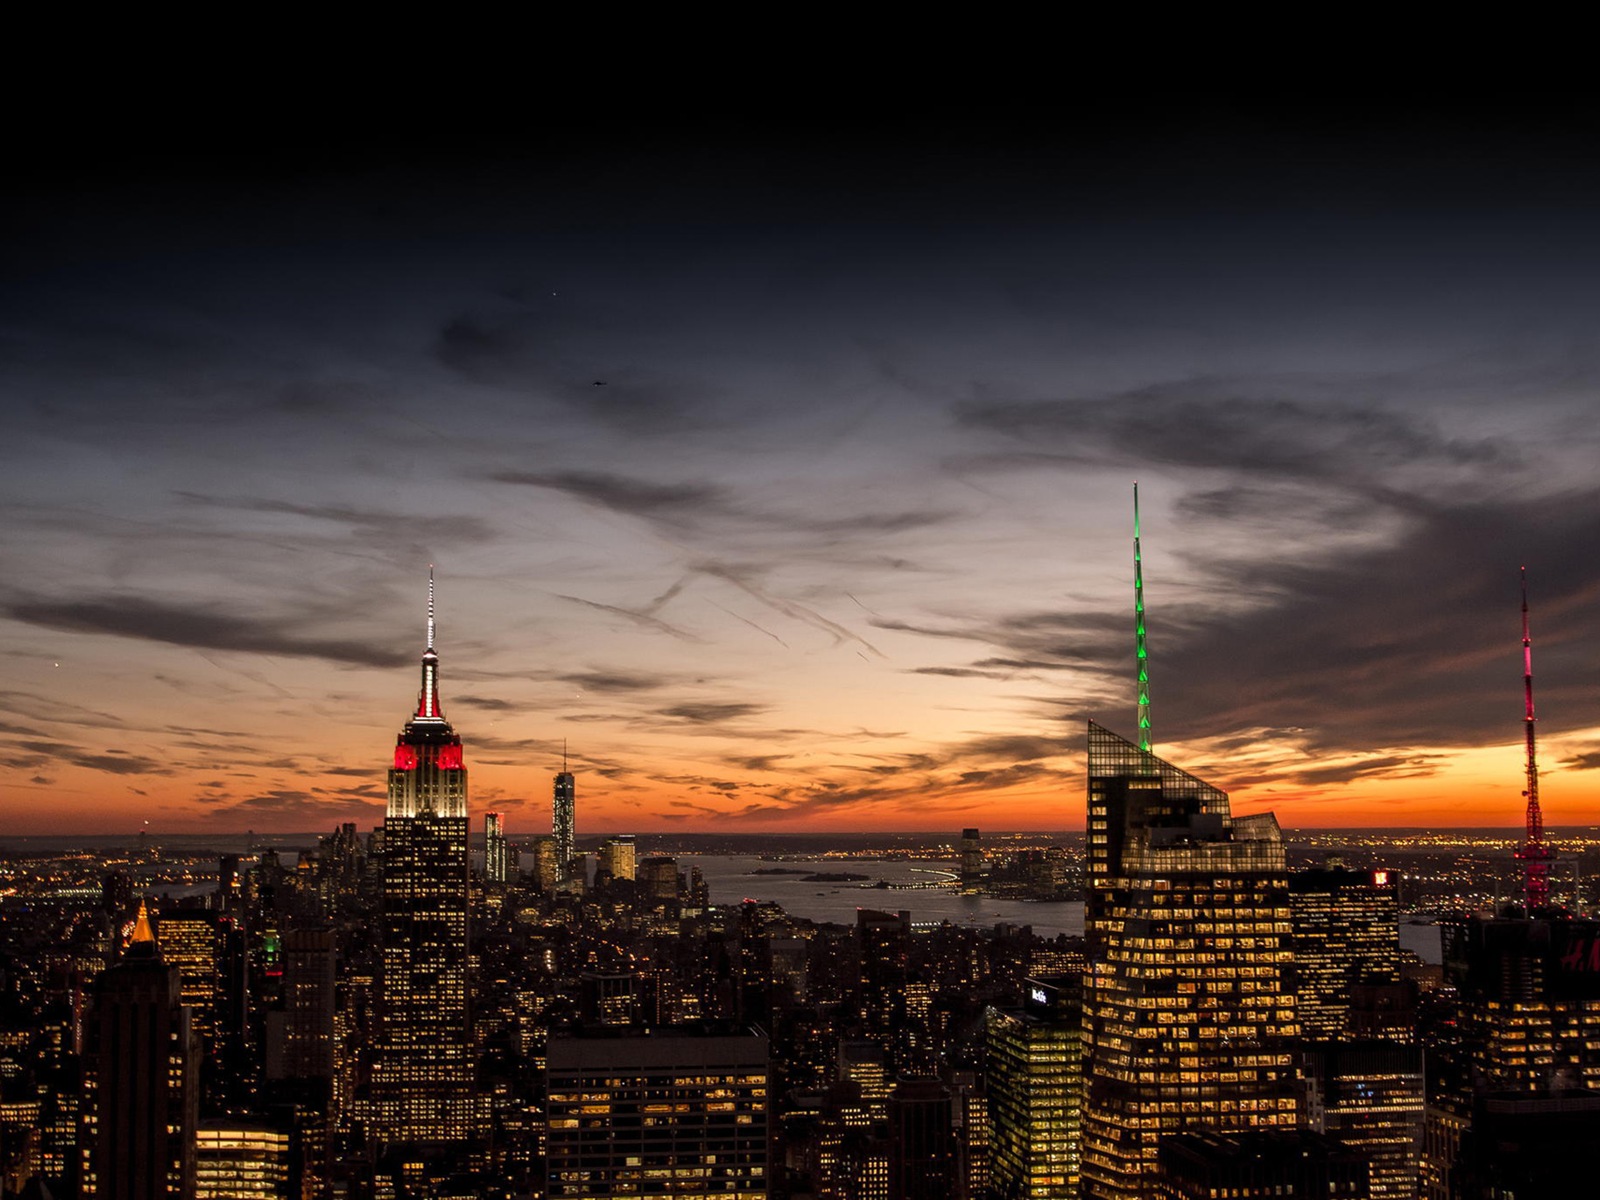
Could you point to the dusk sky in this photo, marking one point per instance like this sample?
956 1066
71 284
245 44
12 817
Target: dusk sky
783 470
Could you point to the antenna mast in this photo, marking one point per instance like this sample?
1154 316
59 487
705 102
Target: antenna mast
1536 853
1138 630
430 606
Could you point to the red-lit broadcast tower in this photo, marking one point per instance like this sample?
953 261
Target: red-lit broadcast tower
1536 853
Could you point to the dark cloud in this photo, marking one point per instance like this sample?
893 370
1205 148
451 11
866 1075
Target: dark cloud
687 505
756 762
291 804
194 627
111 763
1391 766
487 703
616 681
960 672
668 502
1201 424
410 528
1416 643
711 713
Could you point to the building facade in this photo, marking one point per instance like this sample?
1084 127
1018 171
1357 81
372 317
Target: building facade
663 1113
563 822
421 1090
1190 1011
494 848
142 1085
1035 1083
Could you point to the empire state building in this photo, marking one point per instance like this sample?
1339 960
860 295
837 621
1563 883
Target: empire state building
422 1068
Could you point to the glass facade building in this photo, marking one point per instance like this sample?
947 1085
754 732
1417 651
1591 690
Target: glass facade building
1190 1014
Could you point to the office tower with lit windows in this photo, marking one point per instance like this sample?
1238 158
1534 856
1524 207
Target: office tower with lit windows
241 1160
300 1035
971 859
142 1093
1526 1022
1034 1076
190 942
618 858
563 820
1346 938
422 1070
494 848
658 1113
884 943
1191 1016
1368 1096
544 872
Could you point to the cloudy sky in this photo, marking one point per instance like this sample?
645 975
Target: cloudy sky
781 471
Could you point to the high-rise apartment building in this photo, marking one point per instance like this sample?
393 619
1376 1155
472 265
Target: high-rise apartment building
1191 1016
422 1066
1035 1084
494 848
663 1113
142 1092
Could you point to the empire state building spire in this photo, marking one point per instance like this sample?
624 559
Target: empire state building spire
428 698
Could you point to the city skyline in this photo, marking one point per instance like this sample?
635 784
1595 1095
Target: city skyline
789 483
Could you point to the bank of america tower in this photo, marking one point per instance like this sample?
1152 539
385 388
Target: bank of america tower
422 1066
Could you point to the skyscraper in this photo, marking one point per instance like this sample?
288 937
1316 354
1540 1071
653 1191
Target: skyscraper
563 816
971 859
422 1066
1346 937
1035 1082
1191 1016
494 848
141 1079
1190 1011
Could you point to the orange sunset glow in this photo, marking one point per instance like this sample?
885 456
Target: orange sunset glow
789 486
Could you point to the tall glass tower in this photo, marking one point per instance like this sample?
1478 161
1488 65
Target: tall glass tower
1190 1008
563 817
494 848
422 1066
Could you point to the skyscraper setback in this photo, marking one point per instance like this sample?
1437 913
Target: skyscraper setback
422 1068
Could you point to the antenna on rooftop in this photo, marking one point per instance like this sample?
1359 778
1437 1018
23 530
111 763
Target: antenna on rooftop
1536 852
1138 629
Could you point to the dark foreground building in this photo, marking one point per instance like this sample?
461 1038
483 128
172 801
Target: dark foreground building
142 1080
1258 1164
663 1112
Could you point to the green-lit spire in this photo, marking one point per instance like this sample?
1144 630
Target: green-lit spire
1138 630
